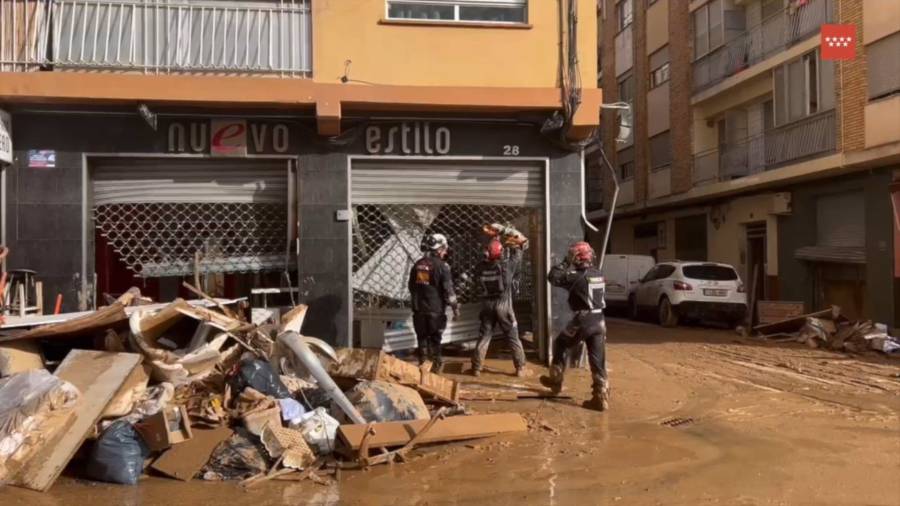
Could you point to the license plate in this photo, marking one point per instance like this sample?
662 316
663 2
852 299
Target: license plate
713 292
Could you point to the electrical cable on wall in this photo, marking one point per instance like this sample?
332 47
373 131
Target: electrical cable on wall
559 124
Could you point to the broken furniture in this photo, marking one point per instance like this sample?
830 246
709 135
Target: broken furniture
366 364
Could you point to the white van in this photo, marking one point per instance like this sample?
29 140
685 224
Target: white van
622 273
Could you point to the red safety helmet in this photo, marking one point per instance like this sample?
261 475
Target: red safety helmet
581 254
493 250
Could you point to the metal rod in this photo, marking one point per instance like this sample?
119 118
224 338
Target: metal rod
298 344
583 197
612 207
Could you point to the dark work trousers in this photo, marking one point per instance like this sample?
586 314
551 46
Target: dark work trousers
429 332
590 328
496 312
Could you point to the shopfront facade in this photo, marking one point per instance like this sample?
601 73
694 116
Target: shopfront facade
97 201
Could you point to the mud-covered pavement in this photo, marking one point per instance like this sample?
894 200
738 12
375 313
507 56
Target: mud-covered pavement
761 424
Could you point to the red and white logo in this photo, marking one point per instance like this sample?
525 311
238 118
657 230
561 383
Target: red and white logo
838 42
229 138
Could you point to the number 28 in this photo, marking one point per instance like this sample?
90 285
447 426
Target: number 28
510 150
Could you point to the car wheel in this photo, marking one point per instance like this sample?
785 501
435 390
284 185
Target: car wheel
667 315
633 308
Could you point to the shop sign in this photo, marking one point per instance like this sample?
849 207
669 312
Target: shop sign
228 138
6 151
41 159
407 138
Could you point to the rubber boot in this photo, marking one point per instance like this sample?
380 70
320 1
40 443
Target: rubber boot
554 381
599 400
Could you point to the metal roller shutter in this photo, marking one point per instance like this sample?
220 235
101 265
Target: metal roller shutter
157 214
841 220
396 203
128 180
455 182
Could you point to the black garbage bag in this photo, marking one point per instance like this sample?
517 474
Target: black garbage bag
118 456
240 456
258 375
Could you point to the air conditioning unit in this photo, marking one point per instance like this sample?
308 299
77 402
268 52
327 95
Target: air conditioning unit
781 203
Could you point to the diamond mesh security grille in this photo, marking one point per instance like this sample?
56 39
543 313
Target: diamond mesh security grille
160 239
387 239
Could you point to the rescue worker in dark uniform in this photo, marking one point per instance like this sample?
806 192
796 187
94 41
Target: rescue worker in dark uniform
496 278
431 287
586 287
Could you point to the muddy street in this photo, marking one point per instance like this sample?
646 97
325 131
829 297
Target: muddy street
699 416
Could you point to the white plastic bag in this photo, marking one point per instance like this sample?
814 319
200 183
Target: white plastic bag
318 429
27 400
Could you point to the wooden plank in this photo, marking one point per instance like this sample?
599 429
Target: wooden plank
98 375
184 460
217 320
456 428
153 325
19 356
772 311
367 364
795 324
293 320
101 319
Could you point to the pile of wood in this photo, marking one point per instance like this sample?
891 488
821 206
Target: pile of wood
171 370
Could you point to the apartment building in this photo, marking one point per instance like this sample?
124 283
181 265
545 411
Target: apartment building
305 144
750 149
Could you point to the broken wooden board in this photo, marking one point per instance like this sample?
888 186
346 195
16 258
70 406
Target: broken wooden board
133 387
183 461
487 395
217 320
20 356
363 364
102 319
152 325
292 321
773 311
795 324
97 375
457 428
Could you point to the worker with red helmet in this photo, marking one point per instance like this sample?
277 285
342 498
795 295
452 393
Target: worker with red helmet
496 278
431 289
587 288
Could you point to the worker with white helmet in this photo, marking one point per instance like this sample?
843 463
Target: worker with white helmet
431 287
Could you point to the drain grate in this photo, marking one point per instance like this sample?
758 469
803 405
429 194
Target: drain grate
677 422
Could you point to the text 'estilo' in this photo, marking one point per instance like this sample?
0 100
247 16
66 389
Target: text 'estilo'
408 138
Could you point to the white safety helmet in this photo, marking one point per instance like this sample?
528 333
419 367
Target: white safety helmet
435 242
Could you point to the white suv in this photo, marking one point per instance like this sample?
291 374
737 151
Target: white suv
690 290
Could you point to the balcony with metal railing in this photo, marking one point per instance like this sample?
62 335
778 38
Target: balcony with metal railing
157 36
801 140
774 35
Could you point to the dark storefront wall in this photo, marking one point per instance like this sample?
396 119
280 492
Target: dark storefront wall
690 238
799 277
44 211
324 191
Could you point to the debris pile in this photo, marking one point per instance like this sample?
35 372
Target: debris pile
194 390
829 329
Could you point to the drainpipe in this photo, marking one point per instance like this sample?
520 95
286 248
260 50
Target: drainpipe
612 209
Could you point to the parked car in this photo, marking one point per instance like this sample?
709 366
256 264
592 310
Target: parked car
700 291
622 272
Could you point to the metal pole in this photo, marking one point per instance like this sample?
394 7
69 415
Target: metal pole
612 207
